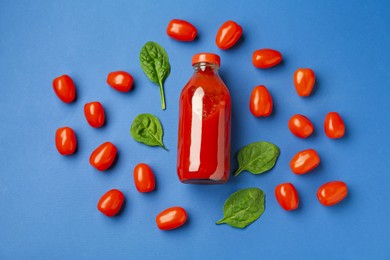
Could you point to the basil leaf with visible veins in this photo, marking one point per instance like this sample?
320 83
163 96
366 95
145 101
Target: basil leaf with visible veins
147 129
155 64
243 207
257 157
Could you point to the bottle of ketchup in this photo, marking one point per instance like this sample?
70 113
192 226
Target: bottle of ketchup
204 125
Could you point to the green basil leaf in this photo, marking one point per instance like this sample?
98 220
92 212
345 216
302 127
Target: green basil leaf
243 207
155 64
257 157
147 129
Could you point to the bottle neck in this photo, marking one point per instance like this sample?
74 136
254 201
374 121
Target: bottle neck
206 67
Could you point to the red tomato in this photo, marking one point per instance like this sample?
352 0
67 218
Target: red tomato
66 141
103 156
120 80
332 193
334 125
228 34
111 202
260 102
266 58
304 161
144 178
94 113
304 80
287 196
64 88
181 30
171 218
300 126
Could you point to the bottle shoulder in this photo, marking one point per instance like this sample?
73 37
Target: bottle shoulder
211 84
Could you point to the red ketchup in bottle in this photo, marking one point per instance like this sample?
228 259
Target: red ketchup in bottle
204 125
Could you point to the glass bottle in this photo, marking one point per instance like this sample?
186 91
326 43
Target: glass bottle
204 125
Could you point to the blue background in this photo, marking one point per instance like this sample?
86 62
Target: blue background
48 202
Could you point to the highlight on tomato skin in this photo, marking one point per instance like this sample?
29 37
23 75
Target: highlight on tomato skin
181 30
332 193
64 88
260 103
304 161
228 35
300 125
304 80
66 141
94 113
144 178
287 196
334 125
111 202
171 218
121 81
266 58
103 156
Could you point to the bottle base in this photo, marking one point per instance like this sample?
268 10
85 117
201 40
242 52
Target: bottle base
203 181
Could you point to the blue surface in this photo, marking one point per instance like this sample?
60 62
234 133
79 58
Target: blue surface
48 202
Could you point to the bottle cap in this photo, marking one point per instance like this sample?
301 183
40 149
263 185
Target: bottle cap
206 57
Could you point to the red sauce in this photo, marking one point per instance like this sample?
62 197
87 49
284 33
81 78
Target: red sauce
204 128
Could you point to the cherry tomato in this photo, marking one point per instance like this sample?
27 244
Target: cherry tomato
171 218
228 34
332 193
260 102
64 88
94 113
304 161
287 196
334 125
120 80
266 58
103 156
300 126
181 30
111 202
144 178
304 80
66 141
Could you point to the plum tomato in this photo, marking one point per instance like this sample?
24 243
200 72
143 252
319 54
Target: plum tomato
111 202
304 80
260 103
334 125
300 126
64 88
94 113
171 218
103 156
120 80
228 34
144 178
181 30
66 141
304 161
266 58
332 193
287 196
